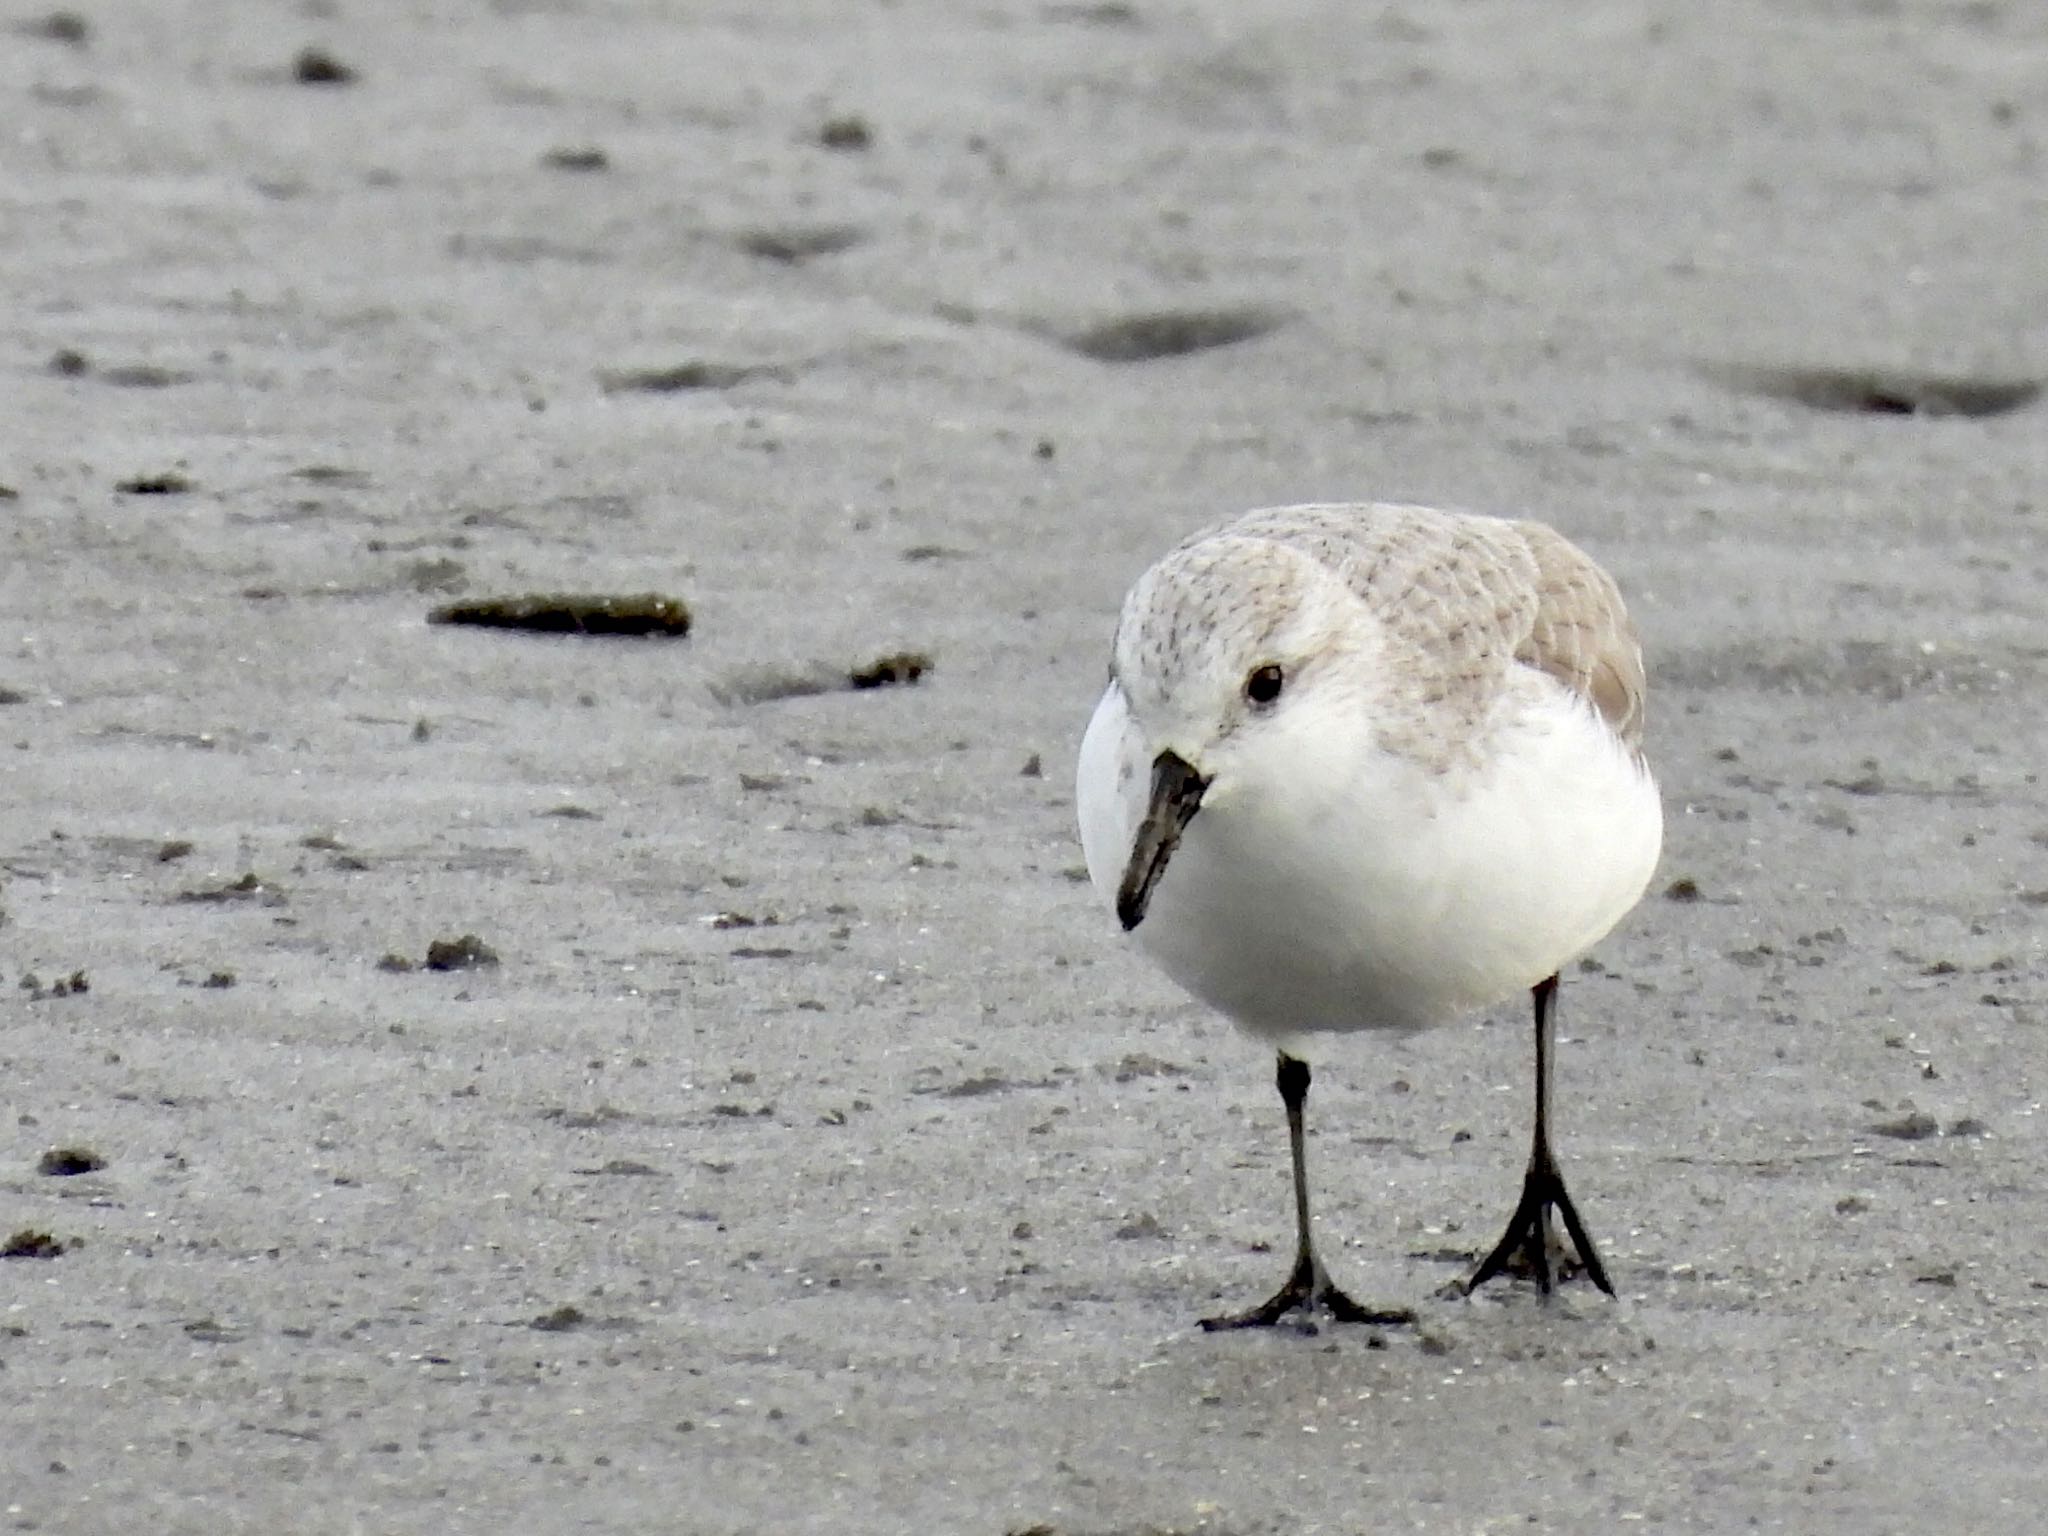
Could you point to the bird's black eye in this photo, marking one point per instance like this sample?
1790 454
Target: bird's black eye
1262 685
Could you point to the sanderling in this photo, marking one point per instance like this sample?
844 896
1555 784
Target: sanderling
1372 767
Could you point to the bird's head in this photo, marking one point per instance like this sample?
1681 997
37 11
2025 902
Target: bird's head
1239 660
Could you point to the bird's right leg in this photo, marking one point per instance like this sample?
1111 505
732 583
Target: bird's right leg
1309 1286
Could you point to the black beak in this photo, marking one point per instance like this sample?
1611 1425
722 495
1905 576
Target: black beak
1176 796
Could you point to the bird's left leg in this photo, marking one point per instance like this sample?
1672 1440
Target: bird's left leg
1528 1236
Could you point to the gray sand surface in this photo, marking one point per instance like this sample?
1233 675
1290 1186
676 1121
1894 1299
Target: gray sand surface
883 1183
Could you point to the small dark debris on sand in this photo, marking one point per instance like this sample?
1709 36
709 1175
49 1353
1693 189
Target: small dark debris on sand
771 684
800 242
69 1162
1137 1064
74 985
12 696
886 671
972 1087
848 131
1882 391
561 1320
1110 13
563 613
142 376
621 1167
464 954
1146 337
173 850
1685 888
58 27
316 66
70 363
167 483
586 1119
28 1243
674 378
9 493
1917 1126
219 981
331 474
250 887
576 157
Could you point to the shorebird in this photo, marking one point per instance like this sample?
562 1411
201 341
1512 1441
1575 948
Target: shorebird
1372 767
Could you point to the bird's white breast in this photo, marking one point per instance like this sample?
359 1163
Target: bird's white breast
1329 888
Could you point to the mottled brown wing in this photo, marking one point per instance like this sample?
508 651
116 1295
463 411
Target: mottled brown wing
1582 634
1464 598
1455 595
1456 592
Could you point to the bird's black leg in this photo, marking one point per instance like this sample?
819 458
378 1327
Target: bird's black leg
1528 1236
1309 1287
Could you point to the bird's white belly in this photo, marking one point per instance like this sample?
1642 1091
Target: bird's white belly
1370 893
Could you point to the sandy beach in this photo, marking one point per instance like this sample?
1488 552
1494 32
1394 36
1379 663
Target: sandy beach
798 1146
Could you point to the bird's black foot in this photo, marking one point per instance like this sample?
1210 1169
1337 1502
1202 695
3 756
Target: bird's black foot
1527 1247
1309 1290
